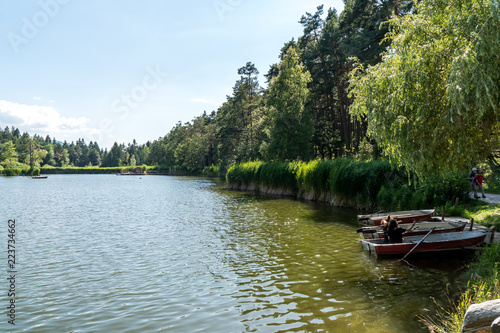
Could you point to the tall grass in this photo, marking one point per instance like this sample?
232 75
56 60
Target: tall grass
243 174
483 285
279 174
361 181
371 185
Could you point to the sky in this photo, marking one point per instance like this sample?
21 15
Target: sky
118 70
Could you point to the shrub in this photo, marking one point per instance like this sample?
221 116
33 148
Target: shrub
350 179
9 172
369 184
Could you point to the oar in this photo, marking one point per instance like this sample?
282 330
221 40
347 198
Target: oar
420 241
414 221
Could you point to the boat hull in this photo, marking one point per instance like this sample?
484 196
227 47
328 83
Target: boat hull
408 216
432 243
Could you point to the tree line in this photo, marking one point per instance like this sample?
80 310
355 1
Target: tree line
416 81
303 113
22 151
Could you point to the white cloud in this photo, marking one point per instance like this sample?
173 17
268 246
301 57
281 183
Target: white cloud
43 120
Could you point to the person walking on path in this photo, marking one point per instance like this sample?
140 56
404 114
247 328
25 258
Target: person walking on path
472 179
479 182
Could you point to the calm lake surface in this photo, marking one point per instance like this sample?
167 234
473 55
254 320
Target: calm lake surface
107 253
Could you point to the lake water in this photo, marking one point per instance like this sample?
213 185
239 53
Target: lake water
107 253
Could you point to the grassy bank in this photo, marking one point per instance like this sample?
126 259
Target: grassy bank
66 170
369 185
484 213
82 170
483 285
212 171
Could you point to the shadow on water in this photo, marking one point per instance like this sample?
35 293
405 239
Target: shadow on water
321 278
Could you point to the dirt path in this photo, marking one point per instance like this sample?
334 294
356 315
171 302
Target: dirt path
490 198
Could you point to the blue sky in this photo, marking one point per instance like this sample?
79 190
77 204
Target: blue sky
119 70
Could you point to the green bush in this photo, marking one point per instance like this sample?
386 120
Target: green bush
350 178
211 171
279 174
369 184
9 172
483 285
314 175
83 170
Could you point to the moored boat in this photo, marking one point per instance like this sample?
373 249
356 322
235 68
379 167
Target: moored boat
432 243
39 177
420 228
407 216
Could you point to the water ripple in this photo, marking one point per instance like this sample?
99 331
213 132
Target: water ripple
104 253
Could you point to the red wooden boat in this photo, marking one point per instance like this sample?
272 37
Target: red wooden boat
39 177
432 243
420 228
407 216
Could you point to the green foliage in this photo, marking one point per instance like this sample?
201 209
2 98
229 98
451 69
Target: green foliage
487 264
315 175
245 128
455 210
364 180
17 151
483 285
8 155
434 191
34 172
372 185
212 171
433 102
488 215
244 174
279 174
9 172
83 170
291 127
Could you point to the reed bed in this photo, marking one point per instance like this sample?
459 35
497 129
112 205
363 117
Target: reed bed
366 184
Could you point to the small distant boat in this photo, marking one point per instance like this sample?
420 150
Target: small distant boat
432 243
420 228
39 177
407 216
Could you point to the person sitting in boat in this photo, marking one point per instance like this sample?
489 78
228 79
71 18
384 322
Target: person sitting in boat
395 232
385 226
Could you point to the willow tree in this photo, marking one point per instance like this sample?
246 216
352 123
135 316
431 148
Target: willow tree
433 103
291 128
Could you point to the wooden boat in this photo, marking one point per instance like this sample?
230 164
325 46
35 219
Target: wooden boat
407 216
420 228
432 243
39 177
